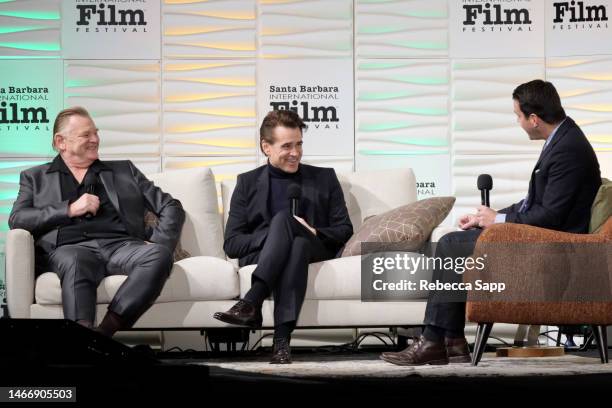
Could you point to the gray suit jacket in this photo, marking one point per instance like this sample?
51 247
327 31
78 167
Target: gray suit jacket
40 210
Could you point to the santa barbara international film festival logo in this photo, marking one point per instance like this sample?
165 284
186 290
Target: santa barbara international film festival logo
105 16
24 108
314 104
496 16
579 15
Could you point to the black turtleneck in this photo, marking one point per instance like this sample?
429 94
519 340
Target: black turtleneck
279 182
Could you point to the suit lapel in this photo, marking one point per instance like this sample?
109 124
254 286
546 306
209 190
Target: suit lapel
263 191
108 179
55 191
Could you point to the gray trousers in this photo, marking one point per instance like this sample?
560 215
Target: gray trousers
82 266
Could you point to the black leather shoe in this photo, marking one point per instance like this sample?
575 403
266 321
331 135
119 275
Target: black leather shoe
457 350
242 313
420 352
281 352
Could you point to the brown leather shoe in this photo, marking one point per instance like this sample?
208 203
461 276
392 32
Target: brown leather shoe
242 313
457 350
281 352
420 352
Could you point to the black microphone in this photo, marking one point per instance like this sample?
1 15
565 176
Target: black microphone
294 192
90 188
485 184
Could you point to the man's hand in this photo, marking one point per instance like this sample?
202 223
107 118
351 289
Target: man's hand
485 216
87 203
468 221
305 224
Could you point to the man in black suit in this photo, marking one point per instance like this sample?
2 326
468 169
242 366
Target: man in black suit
561 191
262 230
87 219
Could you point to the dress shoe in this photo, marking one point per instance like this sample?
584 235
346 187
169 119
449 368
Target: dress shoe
421 352
281 352
457 350
242 313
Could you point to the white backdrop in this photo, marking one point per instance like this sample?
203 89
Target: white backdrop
421 83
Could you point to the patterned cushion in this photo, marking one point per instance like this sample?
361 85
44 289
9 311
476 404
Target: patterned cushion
151 221
410 224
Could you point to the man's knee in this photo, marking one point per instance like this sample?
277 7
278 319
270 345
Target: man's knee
300 245
158 254
281 218
66 259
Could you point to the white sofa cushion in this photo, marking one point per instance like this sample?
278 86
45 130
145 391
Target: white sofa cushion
202 232
338 279
191 279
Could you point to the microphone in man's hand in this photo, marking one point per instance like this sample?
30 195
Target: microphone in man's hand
485 184
90 188
294 192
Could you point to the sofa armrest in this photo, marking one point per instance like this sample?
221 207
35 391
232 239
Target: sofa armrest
20 274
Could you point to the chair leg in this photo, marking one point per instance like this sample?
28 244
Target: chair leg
482 335
601 336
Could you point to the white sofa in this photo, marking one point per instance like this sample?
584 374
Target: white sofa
207 282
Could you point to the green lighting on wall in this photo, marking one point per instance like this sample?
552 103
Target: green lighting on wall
385 126
32 15
422 80
8 194
382 65
416 141
31 46
422 111
382 96
421 45
11 30
15 164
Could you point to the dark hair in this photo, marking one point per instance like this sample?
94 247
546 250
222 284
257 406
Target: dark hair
540 98
285 118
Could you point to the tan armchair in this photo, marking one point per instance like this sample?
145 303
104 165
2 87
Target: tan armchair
551 277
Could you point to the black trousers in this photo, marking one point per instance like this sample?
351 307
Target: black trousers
447 310
82 266
283 262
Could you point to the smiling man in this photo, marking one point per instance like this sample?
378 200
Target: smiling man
262 230
87 219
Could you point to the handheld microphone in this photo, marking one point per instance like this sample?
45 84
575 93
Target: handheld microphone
485 184
294 192
90 188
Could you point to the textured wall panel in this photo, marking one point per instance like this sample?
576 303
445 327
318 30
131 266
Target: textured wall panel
401 28
402 107
510 174
209 29
209 108
30 28
223 168
605 164
147 165
299 28
483 121
585 86
124 100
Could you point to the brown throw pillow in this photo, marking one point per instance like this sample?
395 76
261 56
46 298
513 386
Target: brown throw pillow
410 224
151 221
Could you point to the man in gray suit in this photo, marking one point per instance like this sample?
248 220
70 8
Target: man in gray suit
87 219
